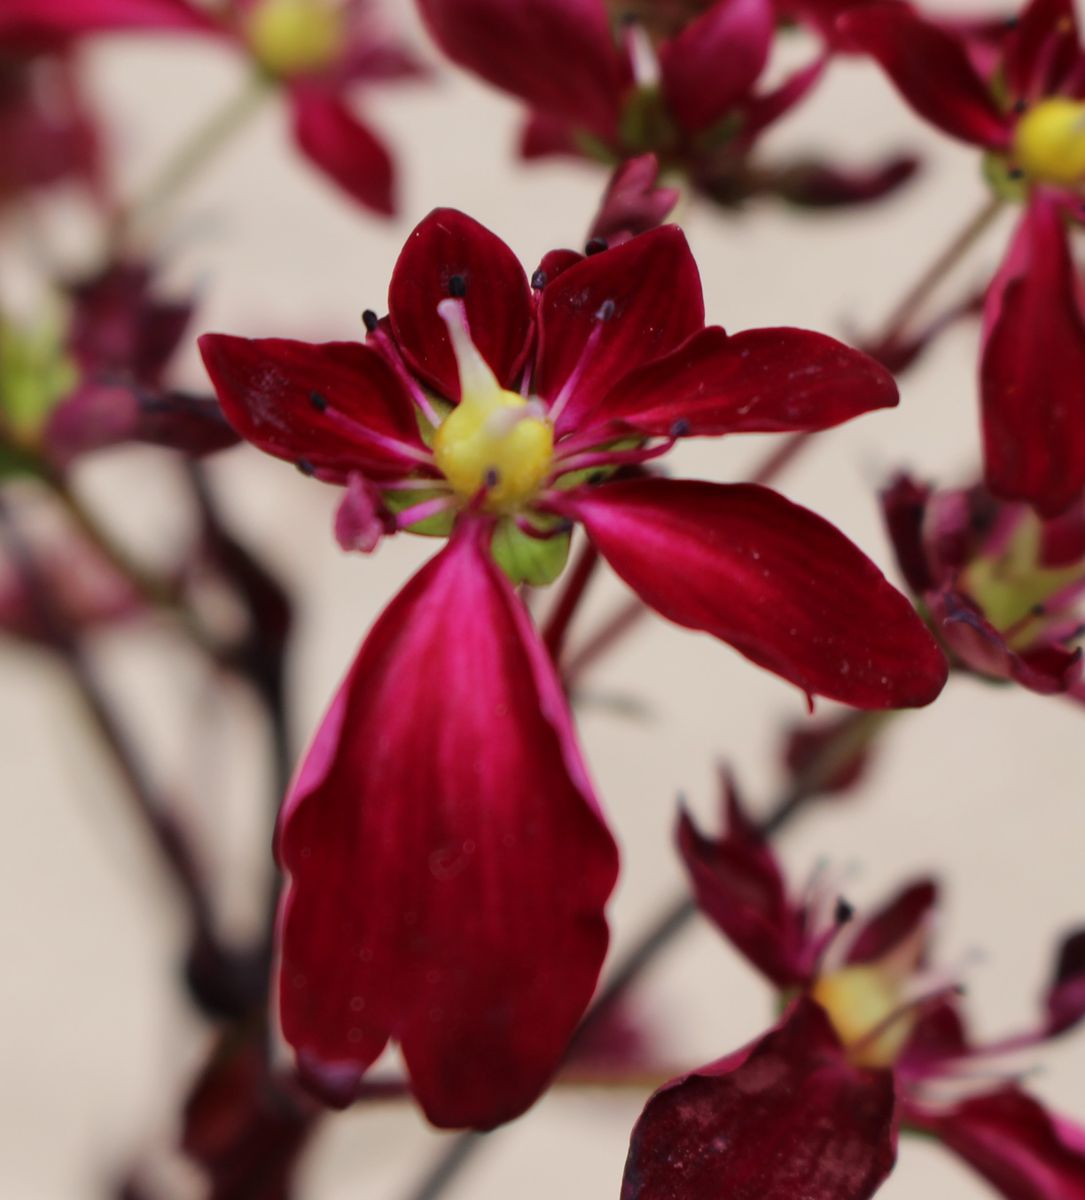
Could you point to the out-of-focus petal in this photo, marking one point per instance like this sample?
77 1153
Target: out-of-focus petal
896 922
739 887
715 60
360 519
1041 49
613 312
447 246
780 584
344 148
38 20
789 1117
633 202
1065 1000
930 68
337 406
814 184
1032 373
759 381
447 863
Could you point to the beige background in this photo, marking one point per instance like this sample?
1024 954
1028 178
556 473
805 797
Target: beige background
985 788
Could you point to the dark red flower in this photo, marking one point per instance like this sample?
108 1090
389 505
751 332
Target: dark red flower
678 80
872 1040
1025 109
1001 586
317 51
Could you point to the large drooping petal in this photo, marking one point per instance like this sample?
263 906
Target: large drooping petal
760 381
1032 373
448 865
787 1117
1020 1149
36 20
1065 999
714 61
452 254
930 68
337 406
611 313
739 886
344 148
558 55
780 584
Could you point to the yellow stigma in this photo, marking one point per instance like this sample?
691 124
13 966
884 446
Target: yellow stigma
858 1001
295 37
1049 143
494 440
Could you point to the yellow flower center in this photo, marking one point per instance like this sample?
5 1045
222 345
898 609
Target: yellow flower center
494 441
863 1003
295 37
1049 142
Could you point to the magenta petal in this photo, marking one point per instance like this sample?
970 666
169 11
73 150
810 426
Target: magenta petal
330 406
715 60
739 887
1018 1147
1065 1000
1042 49
930 68
558 55
361 520
1032 373
343 148
780 584
449 245
894 923
651 289
788 1118
760 381
61 19
448 864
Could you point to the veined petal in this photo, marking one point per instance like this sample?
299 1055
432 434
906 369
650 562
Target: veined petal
896 922
740 888
448 865
788 1117
1032 373
314 404
344 148
1019 1148
449 245
638 302
62 19
558 55
1065 1000
760 381
715 60
930 68
780 584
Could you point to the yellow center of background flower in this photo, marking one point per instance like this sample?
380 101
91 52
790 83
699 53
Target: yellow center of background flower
860 1000
296 37
1049 142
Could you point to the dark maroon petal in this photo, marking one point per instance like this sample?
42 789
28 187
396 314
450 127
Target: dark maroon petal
651 289
1064 538
790 1118
35 20
346 150
558 55
1018 1147
762 109
1032 373
319 405
633 202
782 585
715 60
904 508
1040 50
806 746
449 246
448 864
814 184
930 68
1065 1000
543 136
939 1034
739 887
759 381
897 921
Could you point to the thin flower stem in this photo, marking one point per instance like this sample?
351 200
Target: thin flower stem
914 299
674 918
566 605
194 153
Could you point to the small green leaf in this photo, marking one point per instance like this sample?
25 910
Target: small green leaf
526 559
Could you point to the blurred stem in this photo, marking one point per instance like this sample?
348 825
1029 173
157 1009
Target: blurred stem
194 154
576 586
920 292
675 917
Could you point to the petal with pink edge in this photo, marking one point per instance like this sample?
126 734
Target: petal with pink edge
451 254
448 865
780 584
788 1117
1065 1000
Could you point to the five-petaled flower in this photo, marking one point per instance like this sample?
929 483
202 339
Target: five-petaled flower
1028 112
872 1040
317 51
448 864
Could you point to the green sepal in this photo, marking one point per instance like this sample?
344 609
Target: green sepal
526 559
439 525
35 374
1013 188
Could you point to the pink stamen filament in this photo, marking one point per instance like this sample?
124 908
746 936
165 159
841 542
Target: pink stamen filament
610 458
335 417
542 535
425 510
392 356
915 1007
577 373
